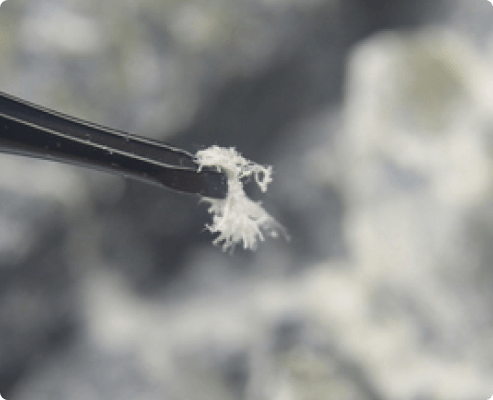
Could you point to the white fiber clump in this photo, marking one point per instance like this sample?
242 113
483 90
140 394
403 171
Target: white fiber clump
237 218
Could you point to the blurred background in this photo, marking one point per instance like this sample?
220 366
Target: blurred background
377 117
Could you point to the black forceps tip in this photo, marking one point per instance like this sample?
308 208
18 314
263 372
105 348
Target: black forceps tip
30 130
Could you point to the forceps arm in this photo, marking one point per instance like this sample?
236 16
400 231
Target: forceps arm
31 130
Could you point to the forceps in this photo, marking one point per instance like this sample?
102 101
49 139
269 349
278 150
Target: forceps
31 130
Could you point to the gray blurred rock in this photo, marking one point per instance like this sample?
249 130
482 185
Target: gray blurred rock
37 299
383 292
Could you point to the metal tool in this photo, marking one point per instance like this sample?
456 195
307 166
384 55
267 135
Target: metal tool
31 130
